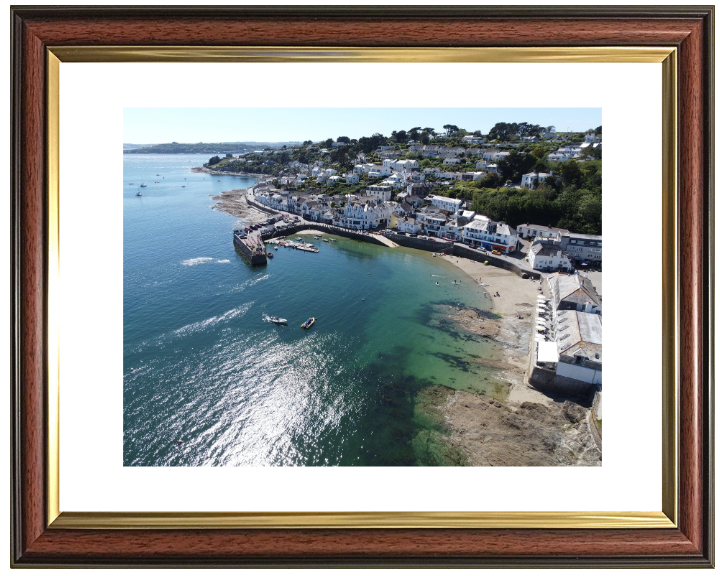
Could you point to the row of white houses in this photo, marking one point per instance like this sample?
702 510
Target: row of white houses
358 213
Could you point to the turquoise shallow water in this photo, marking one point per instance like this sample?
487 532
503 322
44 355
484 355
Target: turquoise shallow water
202 364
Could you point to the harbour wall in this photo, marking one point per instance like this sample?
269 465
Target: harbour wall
421 244
552 384
462 251
326 229
261 207
254 259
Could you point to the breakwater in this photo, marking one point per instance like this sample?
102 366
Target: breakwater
254 252
326 229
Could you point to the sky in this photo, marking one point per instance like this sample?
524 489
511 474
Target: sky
192 125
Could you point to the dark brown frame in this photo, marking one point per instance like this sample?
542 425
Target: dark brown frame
689 29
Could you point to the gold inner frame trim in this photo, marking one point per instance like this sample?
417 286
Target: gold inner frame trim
224 520
625 54
208 520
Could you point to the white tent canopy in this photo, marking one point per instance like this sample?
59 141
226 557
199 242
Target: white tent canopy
547 352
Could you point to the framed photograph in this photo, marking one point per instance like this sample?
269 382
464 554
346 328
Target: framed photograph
367 331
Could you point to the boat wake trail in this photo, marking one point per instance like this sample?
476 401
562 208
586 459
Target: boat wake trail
203 260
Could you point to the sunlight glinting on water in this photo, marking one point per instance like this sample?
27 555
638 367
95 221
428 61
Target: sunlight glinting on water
208 381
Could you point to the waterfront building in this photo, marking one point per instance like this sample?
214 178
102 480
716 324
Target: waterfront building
452 229
579 342
432 223
582 249
364 214
548 257
537 231
410 225
490 235
574 292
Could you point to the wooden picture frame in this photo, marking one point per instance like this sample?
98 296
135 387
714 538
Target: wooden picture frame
688 32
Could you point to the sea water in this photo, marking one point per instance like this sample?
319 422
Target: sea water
203 365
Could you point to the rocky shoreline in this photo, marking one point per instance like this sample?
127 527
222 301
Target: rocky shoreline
234 202
527 428
203 170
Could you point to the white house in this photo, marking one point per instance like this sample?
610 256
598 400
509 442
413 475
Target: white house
365 214
379 191
534 179
333 180
379 172
452 229
352 178
409 225
432 222
491 235
560 157
451 205
547 257
451 160
538 231
407 165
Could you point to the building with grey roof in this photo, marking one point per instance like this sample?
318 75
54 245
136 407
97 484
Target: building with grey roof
582 248
548 257
579 341
574 292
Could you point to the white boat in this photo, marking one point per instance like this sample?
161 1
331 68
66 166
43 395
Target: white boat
276 320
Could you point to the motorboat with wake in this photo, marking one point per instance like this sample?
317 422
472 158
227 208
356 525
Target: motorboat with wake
277 320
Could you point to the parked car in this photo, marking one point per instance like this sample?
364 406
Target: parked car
473 246
497 252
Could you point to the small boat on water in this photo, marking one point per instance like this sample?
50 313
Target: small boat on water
326 240
270 255
143 185
308 323
138 194
275 247
276 320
